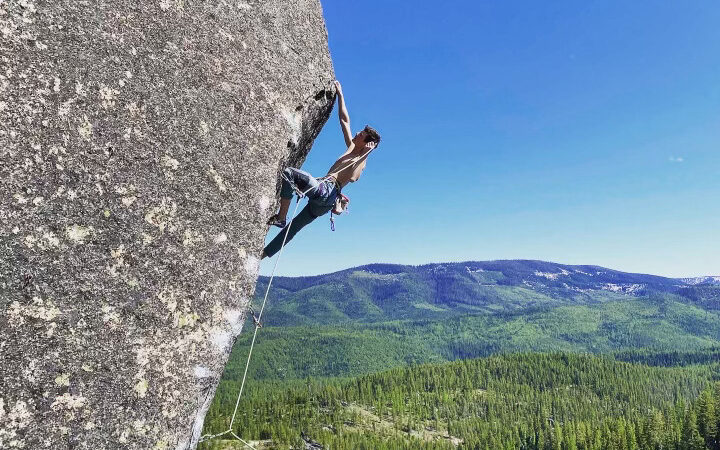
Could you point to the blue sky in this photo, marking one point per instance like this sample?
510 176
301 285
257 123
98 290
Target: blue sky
575 132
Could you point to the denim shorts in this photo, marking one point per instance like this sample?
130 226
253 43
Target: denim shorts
321 194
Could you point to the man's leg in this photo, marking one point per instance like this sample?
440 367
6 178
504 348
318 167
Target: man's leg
302 219
294 178
284 207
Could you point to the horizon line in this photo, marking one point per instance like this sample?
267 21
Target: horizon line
485 261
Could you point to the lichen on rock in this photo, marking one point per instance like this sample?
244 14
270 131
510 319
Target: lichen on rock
139 151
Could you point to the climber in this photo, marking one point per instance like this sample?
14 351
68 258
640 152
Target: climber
323 193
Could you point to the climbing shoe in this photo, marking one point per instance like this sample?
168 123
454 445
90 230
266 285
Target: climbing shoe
275 221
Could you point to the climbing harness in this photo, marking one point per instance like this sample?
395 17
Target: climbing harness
341 206
341 200
256 318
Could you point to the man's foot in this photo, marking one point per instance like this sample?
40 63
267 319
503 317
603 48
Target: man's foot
275 221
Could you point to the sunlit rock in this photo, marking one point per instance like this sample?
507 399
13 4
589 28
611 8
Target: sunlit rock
139 149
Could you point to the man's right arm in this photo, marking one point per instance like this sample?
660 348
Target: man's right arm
343 115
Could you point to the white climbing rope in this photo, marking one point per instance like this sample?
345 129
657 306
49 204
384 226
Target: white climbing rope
257 319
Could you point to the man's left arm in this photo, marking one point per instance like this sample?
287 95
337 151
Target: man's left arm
343 116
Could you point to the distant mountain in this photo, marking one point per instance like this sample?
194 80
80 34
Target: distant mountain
374 317
381 292
701 280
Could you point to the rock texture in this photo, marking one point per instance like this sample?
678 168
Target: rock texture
140 144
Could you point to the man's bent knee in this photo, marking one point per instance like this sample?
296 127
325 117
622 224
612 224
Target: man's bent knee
288 183
288 172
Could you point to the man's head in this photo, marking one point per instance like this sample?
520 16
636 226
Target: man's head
367 139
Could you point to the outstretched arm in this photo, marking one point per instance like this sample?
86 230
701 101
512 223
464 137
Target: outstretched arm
343 115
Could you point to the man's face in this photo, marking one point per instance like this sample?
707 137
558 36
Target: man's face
359 140
359 137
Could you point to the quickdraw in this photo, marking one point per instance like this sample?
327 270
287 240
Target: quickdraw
255 319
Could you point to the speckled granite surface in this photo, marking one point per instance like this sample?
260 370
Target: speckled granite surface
140 144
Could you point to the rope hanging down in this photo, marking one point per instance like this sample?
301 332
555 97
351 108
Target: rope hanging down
257 319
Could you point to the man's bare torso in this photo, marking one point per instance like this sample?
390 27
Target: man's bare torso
345 171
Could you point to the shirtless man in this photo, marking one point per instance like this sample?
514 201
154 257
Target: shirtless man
322 192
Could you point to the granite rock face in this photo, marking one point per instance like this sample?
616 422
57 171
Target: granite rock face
140 146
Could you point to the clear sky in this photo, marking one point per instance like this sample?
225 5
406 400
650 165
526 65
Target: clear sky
579 132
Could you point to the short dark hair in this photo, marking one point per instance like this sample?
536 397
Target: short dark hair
372 135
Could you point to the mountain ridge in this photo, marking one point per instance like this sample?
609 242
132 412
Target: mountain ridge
381 292
373 317
391 268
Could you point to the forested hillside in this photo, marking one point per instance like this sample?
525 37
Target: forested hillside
356 348
371 318
533 401
321 361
